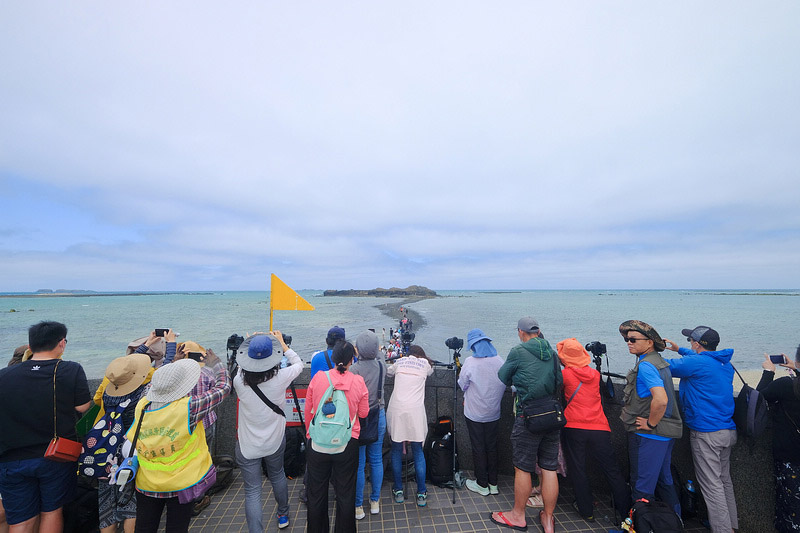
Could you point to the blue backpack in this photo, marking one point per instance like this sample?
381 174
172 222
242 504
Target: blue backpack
101 444
331 427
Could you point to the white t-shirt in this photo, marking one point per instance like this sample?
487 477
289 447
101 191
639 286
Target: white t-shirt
261 429
405 416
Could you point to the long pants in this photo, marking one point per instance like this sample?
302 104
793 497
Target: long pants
483 438
711 453
582 444
375 453
252 476
650 470
149 509
340 470
419 465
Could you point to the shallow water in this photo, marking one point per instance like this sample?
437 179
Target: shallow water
100 327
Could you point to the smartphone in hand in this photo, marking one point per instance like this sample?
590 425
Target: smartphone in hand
160 332
778 359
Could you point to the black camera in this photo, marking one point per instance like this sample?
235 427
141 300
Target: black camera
454 343
597 348
407 337
287 339
234 341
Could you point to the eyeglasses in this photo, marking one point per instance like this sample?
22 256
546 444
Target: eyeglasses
691 340
633 339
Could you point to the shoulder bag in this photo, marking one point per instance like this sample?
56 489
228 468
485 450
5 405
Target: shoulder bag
369 423
545 414
60 449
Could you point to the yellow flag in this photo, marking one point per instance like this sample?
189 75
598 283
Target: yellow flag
283 298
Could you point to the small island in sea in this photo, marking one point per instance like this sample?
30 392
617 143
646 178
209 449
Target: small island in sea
412 291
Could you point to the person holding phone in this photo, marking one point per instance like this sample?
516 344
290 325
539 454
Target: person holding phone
783 395
706 393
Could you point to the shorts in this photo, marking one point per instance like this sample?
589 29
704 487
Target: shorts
528 448
34 486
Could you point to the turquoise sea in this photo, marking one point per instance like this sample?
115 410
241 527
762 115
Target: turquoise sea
752 322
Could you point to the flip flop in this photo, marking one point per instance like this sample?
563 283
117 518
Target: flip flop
535 501
506 523
542 523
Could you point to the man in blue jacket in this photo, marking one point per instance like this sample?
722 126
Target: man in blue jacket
706 393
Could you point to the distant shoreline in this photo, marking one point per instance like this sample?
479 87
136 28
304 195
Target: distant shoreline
90 294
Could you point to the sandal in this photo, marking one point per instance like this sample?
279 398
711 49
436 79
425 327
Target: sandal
503 522
535 501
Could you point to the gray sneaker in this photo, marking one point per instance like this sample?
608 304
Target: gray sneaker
422 499
398 496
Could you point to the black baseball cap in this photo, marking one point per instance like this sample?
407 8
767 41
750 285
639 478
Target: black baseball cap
703 335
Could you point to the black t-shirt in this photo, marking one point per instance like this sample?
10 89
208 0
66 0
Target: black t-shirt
26 406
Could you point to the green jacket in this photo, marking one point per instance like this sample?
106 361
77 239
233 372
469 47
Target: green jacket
529 367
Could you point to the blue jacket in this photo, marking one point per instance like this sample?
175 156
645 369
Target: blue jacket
706 389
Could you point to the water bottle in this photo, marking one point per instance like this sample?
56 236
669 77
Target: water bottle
689 508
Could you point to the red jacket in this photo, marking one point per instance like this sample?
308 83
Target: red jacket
585 410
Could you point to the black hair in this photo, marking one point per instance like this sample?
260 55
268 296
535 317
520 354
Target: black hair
253 379
343 353
46 335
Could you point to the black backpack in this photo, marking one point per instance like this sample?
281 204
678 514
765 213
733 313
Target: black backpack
750 412
655 517
224 465
439 450
294 455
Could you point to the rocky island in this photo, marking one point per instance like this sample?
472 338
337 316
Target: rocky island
412 291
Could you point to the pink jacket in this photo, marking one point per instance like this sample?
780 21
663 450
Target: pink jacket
354 389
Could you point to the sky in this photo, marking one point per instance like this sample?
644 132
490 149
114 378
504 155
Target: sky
457 145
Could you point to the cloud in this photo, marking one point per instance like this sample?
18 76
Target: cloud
196 146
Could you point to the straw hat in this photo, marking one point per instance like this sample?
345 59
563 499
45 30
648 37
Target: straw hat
174 381
126 374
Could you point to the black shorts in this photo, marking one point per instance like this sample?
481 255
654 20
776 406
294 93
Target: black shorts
528 448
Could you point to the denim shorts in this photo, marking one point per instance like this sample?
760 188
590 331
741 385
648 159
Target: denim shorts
529 448
34 486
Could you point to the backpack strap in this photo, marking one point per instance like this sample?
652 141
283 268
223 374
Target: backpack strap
738 374
278 410
380 381
328 359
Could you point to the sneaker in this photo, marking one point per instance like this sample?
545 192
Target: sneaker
493 489
374 507
283 521
360 512
422 499
398 496
474 487
589 518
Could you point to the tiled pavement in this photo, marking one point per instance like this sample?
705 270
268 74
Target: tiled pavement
470 512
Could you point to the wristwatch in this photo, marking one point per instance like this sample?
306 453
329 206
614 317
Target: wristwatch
648 425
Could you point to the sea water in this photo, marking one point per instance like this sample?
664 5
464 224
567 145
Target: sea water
100 327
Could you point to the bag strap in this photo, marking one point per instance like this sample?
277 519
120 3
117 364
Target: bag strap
55 427
138 427
574 393
299 411
738 374
328 359
555 378
380 381
278 410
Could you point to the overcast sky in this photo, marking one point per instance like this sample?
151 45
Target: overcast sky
457 145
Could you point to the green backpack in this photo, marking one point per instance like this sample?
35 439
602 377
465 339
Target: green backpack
331 427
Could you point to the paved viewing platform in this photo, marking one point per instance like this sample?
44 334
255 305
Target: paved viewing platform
470 512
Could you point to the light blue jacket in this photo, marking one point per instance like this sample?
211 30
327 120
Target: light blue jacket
706 389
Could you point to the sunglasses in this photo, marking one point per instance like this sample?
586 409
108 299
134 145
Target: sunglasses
634 339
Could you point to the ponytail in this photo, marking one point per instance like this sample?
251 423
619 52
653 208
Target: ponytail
342 355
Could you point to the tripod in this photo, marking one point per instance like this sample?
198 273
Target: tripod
455 366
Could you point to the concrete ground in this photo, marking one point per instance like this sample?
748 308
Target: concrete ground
470 512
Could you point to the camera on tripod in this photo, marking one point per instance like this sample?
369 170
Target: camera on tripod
407 338
597 349
454 343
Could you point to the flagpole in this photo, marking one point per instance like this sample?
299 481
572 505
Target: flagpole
270 306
